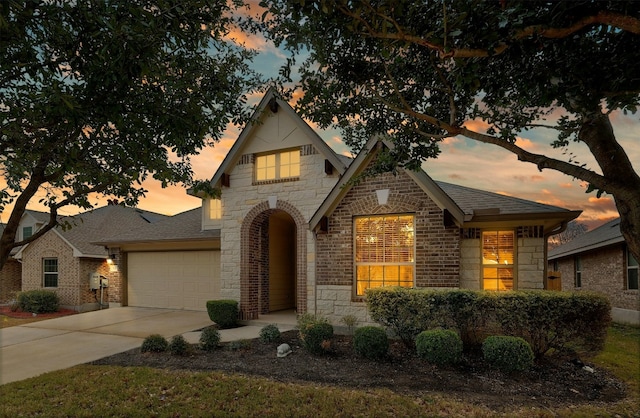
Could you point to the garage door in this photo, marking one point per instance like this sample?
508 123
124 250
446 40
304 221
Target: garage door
173 279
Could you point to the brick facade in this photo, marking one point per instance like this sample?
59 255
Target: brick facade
603 271
10 281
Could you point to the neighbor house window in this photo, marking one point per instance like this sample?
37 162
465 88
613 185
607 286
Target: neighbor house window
27 231
50 272
498 260
577 276
282 165
632 271
384 251
215 209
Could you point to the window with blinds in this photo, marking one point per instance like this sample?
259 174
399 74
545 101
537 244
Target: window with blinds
384 251
498 260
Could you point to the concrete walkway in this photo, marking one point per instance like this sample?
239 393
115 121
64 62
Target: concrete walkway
55 344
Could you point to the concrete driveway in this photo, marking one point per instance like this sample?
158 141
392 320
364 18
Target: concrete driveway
55 344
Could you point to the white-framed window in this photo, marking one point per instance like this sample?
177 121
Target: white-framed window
632 271
281 165
498 260
384 251
215 209
577 273
49 272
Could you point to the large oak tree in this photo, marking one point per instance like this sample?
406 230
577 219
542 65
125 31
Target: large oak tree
98 95
421 70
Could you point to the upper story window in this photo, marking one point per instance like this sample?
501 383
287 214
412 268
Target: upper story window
50 272
281 165
577 275
498 249
384 251
632 271
215 209
27 231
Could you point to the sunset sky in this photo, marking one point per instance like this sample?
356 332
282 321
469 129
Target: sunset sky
462 161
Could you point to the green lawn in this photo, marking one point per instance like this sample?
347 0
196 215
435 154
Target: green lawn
117 391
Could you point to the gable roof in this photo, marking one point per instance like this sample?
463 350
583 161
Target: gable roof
468 207
269 102
604 235
97 224
185 226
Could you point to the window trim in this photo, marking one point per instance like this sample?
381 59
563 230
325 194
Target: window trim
412 264
513 266
46 273
628 257
278 166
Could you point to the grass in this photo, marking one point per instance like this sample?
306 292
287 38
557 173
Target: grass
84 391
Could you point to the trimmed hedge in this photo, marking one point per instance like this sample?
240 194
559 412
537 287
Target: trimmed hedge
315 332
154 343
439 346
209 339
546 320
38 301
223 312
508 354
371 342
269 334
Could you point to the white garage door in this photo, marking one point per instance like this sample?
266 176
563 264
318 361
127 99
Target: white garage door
173 279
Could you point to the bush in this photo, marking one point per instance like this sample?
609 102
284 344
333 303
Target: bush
269 334
371 342
223 312
315 332
179 346
508 353
546 320
38 301
439 346
209 339
154 343
239 345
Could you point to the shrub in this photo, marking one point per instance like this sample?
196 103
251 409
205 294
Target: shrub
154 343
269 334
239 345
209 339
546 320
178 346
223 312
508 353
315 332
371 342
38 301
439 346
350 321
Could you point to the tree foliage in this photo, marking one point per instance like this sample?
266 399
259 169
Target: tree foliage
420 71
98 95
573 230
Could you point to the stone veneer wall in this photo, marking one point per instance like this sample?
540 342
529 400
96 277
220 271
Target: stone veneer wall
604 271
244 202
10 281
437 247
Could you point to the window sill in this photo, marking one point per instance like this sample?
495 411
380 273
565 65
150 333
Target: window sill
273 181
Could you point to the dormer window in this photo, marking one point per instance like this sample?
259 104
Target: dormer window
27 231
278 166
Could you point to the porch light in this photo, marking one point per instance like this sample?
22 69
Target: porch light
383 196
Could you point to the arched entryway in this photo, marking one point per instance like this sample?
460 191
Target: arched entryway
273 254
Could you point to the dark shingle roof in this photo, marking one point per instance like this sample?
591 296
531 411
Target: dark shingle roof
604 235
470 200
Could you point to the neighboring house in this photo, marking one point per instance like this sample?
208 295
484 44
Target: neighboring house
599 260
65 259
293 229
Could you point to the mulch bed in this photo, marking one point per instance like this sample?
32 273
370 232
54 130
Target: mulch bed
7 311
555 382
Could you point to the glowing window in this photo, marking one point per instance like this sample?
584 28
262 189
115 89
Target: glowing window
215 209
498 260
384 251
283 165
